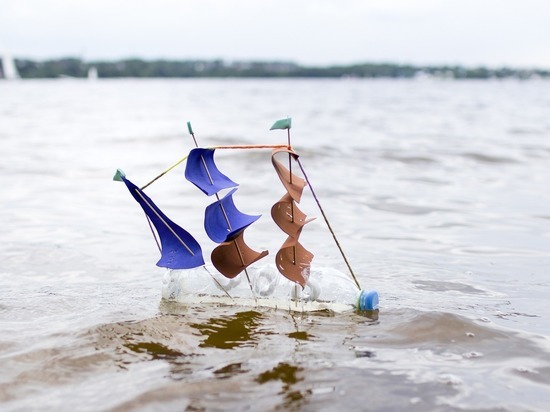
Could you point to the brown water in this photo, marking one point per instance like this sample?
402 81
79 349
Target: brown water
438 192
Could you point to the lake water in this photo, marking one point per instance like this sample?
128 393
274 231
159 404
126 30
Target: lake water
438 191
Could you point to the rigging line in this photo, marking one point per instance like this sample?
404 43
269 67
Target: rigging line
219 284
328 224
246 146
166 171
259 146
153 232
166 224
250 284
289 155
245 271
250 146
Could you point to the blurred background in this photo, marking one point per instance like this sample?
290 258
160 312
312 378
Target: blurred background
491 34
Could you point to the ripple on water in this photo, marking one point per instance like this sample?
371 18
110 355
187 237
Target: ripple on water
443 286
404 209
78 334
205 356
489 159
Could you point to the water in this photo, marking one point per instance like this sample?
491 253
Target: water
438 192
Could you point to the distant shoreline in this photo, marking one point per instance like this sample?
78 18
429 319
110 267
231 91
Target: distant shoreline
74 67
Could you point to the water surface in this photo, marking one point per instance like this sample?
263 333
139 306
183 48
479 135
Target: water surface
438 192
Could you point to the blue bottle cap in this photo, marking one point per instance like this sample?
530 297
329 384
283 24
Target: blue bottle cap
368 300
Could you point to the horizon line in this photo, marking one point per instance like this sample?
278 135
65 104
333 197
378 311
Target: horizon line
289 62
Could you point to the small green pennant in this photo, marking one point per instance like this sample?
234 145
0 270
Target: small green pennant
282 124
190 128
119 175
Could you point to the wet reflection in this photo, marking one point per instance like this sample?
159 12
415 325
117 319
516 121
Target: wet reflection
228 332
364 353
162 338
283 371
155 350
371 315
288 375
299 335
229 371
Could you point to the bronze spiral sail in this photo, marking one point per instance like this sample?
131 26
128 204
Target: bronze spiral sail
293 260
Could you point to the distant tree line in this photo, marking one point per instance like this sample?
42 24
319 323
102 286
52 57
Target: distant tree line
73 67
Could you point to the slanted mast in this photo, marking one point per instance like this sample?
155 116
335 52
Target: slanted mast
223 222
179 250
203 172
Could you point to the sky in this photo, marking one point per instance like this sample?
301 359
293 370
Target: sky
491 33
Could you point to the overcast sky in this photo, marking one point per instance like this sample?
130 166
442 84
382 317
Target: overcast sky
321 32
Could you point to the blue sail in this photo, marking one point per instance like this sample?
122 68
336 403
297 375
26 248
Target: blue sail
223 221
203 172
179 249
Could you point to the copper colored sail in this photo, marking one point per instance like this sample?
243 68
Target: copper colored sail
288 217
234 256
292 183
293 261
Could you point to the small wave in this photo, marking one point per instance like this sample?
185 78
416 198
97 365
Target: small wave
424 179
410 159
494 251
403 208
438 286
485 158
538 375
163 337
524 131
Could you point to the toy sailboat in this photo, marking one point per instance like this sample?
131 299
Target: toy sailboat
225 224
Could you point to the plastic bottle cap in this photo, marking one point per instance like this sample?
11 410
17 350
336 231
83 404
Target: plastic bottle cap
368 300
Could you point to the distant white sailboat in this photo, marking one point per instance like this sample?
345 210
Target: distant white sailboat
92 73
9 70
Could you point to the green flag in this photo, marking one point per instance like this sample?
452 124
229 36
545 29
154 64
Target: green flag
119 175
282 124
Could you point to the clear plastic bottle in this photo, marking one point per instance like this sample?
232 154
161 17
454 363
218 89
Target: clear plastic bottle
327 288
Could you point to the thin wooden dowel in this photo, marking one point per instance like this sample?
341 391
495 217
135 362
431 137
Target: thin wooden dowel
249 146
245 271
153 232
219 284
183 159
328 224
165 223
